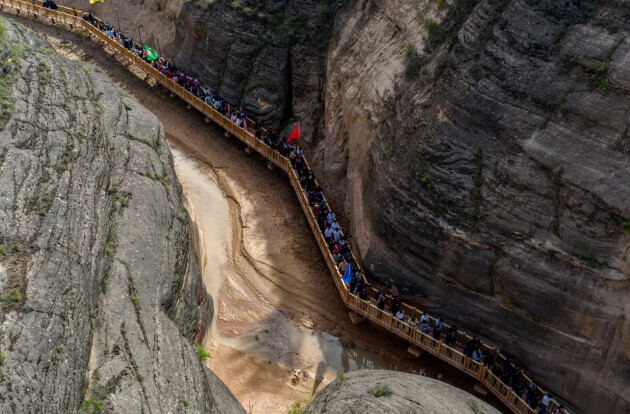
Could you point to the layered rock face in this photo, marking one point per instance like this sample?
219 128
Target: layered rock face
384 392
147 21
101 293
482 152
266 56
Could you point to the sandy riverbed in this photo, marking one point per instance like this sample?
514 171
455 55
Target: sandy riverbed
280 330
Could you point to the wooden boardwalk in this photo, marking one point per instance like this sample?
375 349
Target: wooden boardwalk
70 19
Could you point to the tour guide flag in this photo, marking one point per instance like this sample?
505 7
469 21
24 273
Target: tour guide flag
95 1
151 54
295 134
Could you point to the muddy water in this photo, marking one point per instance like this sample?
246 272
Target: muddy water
243 320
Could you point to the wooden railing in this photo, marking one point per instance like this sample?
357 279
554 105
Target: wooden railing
72 20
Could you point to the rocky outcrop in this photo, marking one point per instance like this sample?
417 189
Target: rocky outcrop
385 392
101 294
146 21
265 56
481 150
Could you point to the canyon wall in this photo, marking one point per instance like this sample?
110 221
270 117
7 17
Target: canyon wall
481 150
265 56
100 290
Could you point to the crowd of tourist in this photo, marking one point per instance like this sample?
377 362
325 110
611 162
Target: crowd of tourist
337 240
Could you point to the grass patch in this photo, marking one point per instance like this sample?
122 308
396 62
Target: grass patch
203 353
380 391
341 377
412 61
110 244
598 78
91 407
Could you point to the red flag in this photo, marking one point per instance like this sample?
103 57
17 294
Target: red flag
295 134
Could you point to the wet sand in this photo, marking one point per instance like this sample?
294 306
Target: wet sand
280 330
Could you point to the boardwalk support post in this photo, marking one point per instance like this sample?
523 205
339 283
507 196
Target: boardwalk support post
415 351
479 388
355 318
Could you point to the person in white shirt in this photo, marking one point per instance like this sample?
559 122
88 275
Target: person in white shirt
400 315
424 318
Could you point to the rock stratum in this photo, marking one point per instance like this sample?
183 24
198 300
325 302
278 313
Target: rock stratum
385 392
480 150
101 293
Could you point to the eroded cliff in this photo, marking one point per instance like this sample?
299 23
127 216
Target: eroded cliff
384 392
266 56
101 293
482 152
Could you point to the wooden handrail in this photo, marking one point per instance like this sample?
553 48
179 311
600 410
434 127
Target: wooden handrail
65 17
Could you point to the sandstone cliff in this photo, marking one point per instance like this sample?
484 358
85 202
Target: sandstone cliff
385 392
101 294
481 150
266 56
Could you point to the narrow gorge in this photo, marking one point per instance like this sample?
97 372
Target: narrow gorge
476 150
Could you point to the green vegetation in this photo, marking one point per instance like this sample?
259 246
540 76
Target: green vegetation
91 407
185 402
441 4
623 222
413 64
203 353
1 359
269 85
430 25
380 391
324 12
298 408
110 244
236 5
598 78
341 377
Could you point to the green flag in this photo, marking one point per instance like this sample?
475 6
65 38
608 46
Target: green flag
151 54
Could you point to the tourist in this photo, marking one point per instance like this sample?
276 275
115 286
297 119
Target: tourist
477 355
544 403
328 234
425 328
424 317
381 303
532 397
342 266
396 302
413 321
363 293
437 329
400 315
451 336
